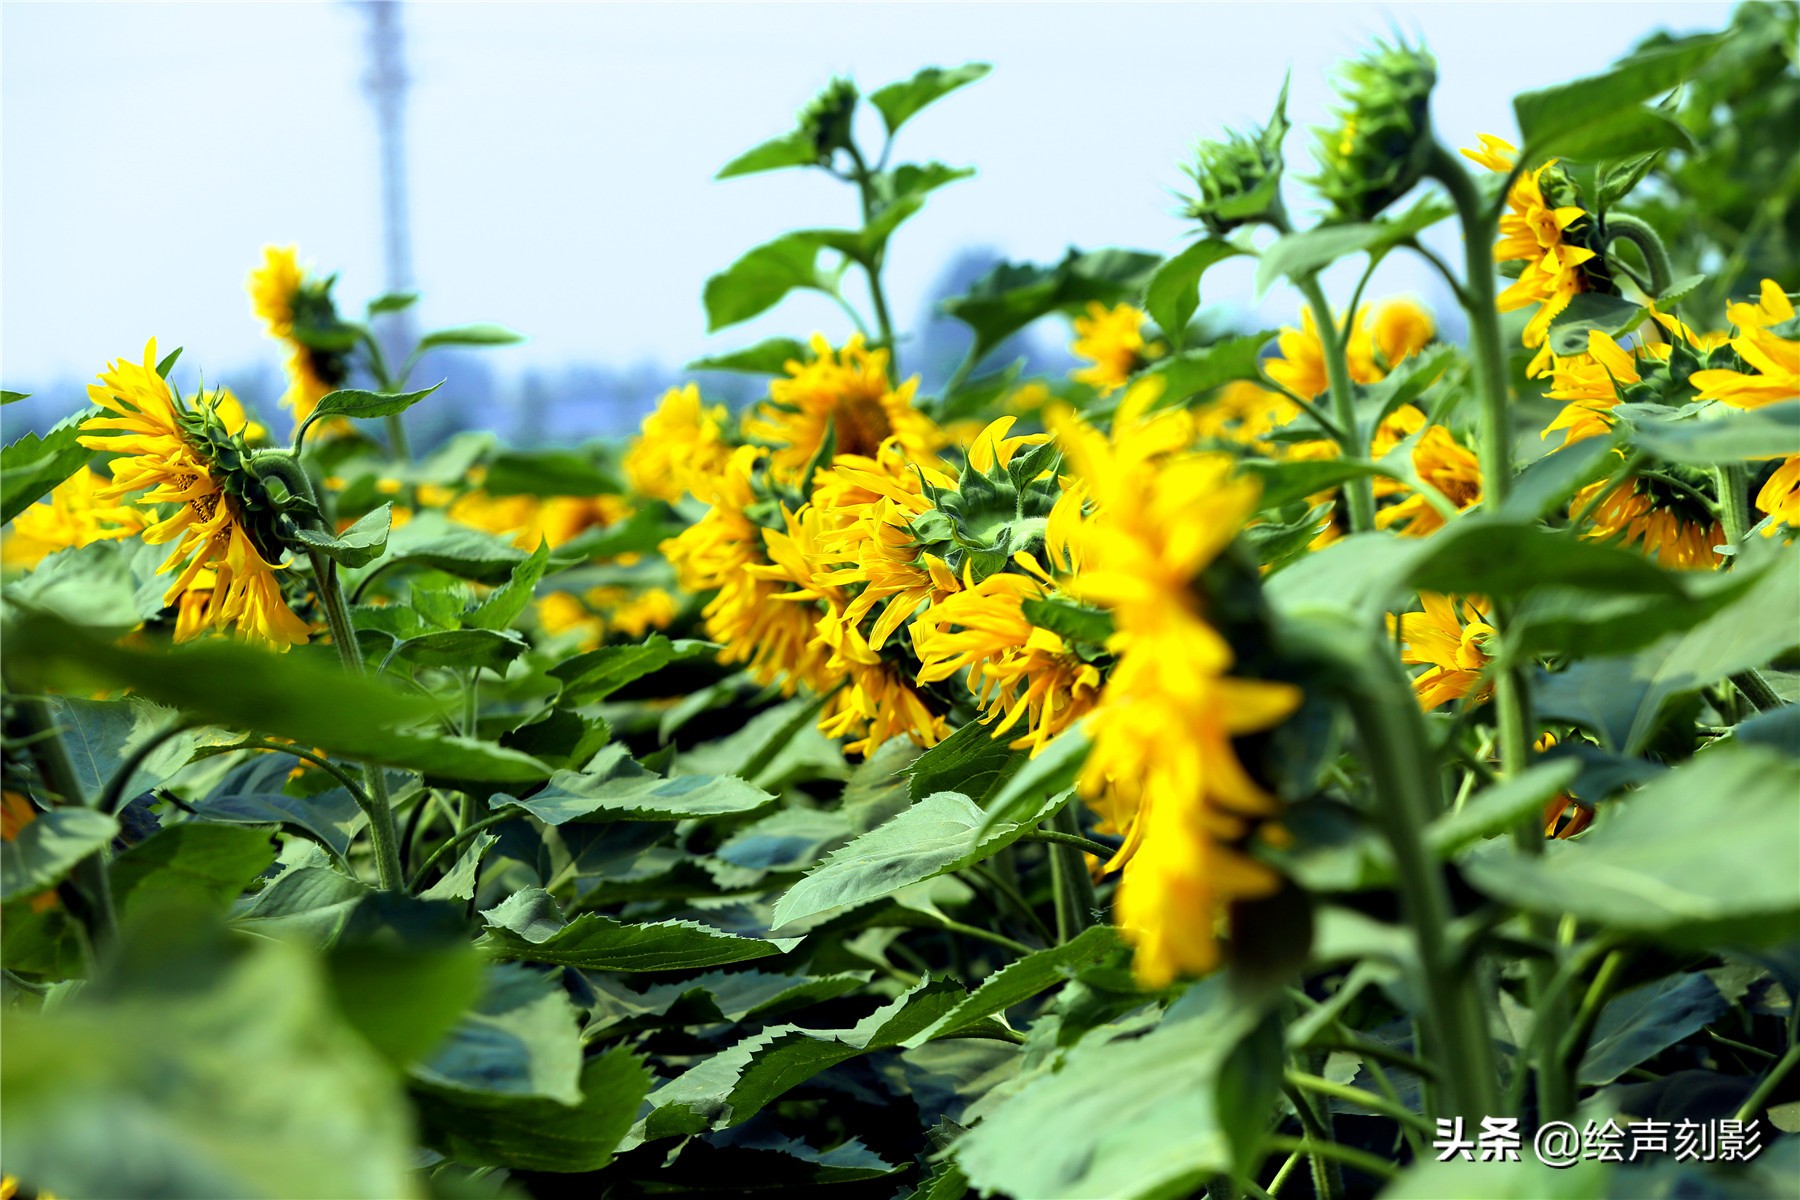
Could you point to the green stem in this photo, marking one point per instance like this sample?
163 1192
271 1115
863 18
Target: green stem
1408 796
1328 1180
986 935
1011 894
397 443
1574 1040
1361 1160
1360 492
1734 502
1757 691
1640 234
1057 837
872 266
1357 1096
1069 874
459 838
1769 1083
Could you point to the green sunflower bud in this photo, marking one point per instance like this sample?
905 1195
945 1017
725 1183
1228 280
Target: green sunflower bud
1382 143
268 518
826 119
1239 178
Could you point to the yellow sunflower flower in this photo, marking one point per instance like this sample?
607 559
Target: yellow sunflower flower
157 458
1775 360
1452 645
1533 233
1112 339
1588 384
602 611
1441 461
682 439
1162 769
72 515
1672 526
1779 496
275 292
527 520
845 393
1400 329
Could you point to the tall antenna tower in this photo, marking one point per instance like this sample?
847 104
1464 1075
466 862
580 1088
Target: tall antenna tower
386 84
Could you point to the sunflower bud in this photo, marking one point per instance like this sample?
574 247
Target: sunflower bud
826 119
1382 143
1239 178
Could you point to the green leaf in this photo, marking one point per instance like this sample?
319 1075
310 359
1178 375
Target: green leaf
1668 863
431 539
1500 807
1528 1179
31 466
481 334
549 473
403 973
1195 371
617 789
48 846
330 818
536 1133
599 673
458 882
640 533
794 149
1173 292
527 926
95 586
734 1085
392 302
1020 980
899 101
464 649
1070 621
522 1038
1298 255
1284 483
196 864
972 760
1013 295
357 546
1544 487
1645 1021
1565 119
197 1067
757 281
939 834
1730 436
1049 774
100 734
351 402
1124 1118
1495 557
9 397
768 357
504 604
309 903
1613 316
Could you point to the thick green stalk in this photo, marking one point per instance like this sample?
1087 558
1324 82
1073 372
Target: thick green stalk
865 186
1734 502
1639 233
1407 797
1512 696
1360 492
1069 875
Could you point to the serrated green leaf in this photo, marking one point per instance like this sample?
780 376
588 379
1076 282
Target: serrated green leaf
31 466
972 761
1173 292
464 649
1070 621
599 673
357 546
504 604
617 789
1051 773
1298 255
1593 312
899 101
1200 370
330 818
458 882
528 927
520 1039
1731 436
1020 980
1638 1024
1564 119
195 864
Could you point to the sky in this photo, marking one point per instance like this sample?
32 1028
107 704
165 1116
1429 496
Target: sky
561 156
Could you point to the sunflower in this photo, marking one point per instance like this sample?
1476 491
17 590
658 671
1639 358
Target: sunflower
286 300
1536 234
1441 462
71 516
683 438
1780 497
1163 769
842 394
155 439
1112 339
1244 413
1776 360
1400 329
601 611
880 702
1451 642
1588 384
527 520
1671 518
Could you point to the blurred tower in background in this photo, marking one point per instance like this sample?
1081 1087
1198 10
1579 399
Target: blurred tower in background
386 84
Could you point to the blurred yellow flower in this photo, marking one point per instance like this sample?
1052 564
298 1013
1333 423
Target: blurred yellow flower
72 515
682 439
1112 339
1775 360
845 394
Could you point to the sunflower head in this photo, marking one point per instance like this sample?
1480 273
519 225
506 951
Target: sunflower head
267 516
1381 142
826 118
1238 177
999 506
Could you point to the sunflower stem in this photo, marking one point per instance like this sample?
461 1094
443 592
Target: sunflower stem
865 186
1621 227
1360 492
397 443
1069 874
1734 502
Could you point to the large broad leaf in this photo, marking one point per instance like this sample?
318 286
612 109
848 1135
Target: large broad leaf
1021 980
618 789
48 846
734 1085
1562 119
98 586
941 833
522 1038
1031 788
234 685
1298 255
350 402
1529 1179
1647 1020
1013 295
403 973
1668 862
100 734
310 902
1593 312
200 1068
1723 437
194 864
722 996
330 818
431 539
599 673
458 883
357 546
758 281
463 649
528 927
768 357
535 1133
1195 371
31 466
795 149
1124 1118
971 761
1173 292
898 101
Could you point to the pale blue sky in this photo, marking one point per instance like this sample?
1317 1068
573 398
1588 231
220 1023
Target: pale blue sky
561 155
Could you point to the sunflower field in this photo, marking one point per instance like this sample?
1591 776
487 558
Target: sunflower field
1358 758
